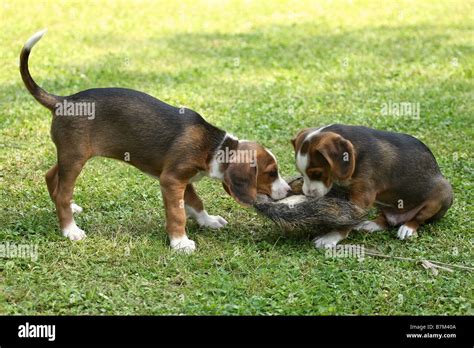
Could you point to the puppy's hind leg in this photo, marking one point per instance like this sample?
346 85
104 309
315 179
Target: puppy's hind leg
52 183
195 209
433 209
69 169
409 228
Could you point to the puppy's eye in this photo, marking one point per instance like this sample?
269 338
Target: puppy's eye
315 174
273 173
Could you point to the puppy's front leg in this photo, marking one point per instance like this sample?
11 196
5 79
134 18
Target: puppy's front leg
379 224
330 240
195 209
173 196
362 196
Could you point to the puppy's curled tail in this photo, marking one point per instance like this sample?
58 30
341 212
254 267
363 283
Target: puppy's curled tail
44 98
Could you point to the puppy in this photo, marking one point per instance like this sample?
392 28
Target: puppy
395 172
175 145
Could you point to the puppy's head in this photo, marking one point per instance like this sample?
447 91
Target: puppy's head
253 171
322 158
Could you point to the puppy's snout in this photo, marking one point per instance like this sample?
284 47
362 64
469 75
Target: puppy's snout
286 190
286 187
307 192
280 189
313 191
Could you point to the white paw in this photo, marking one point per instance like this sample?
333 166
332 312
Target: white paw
204 219
212 221
75 208
183 244
73 232
368 226
405 232
329 240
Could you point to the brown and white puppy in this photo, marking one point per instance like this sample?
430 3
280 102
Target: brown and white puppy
395 172
175 145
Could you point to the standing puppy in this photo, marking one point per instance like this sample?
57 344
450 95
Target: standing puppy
396 172
175 145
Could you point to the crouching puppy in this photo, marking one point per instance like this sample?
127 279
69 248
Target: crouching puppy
175 145
395 172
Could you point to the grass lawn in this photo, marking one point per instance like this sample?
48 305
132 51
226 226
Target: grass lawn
261 70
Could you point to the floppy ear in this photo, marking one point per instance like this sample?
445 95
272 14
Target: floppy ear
340 155
240 181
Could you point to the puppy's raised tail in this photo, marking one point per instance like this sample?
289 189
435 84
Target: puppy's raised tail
44 98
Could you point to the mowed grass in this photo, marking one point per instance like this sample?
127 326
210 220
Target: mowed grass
261 70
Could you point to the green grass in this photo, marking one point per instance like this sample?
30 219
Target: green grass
260 70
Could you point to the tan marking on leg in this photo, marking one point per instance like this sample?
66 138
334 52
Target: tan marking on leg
67 174
67 178
409 228
173 197
361 194
381 221
173 191
195 209
52 181
192 199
